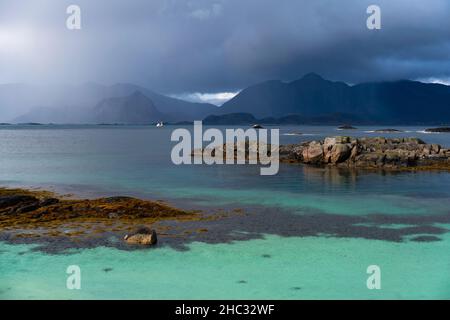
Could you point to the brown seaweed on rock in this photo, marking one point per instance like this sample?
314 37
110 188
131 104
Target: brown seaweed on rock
34 214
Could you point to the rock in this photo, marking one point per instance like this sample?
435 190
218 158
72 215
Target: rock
257 126
441 129
113 215
435 148
328 145
142 236
313 153
354 152
426 151
141 239
340 152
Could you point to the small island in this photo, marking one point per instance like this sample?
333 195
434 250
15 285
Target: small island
346 127
369 153
437 130
353 153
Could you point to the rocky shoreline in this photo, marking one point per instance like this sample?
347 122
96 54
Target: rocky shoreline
369 153
40 216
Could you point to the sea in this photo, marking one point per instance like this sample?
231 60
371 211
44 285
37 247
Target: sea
313 233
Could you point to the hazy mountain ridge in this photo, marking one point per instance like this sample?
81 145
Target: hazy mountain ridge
76 104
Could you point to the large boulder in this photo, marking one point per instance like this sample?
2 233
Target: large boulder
355 151
337 149
340 152
143 236
313 153
328 145
435 148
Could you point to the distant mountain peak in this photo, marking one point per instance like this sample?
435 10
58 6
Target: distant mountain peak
312 76
136 108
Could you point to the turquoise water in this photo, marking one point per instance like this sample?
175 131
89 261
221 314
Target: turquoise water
288 256
298 268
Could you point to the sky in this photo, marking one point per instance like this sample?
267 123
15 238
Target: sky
208 50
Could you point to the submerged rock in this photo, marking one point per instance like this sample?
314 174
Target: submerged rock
426 239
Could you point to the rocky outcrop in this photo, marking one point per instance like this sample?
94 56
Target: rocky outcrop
23 208
143 236
30 216
392 153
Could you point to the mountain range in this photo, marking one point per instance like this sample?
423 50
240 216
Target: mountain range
310 99
398 102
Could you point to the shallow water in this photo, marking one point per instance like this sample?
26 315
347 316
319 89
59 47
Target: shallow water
275 267
283 261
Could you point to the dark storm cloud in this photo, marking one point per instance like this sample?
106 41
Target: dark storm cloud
222 45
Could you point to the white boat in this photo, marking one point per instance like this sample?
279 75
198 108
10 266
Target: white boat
160 124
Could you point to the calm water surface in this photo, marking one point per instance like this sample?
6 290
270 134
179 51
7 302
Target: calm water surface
317 232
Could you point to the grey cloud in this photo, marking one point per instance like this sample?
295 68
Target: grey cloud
224 45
